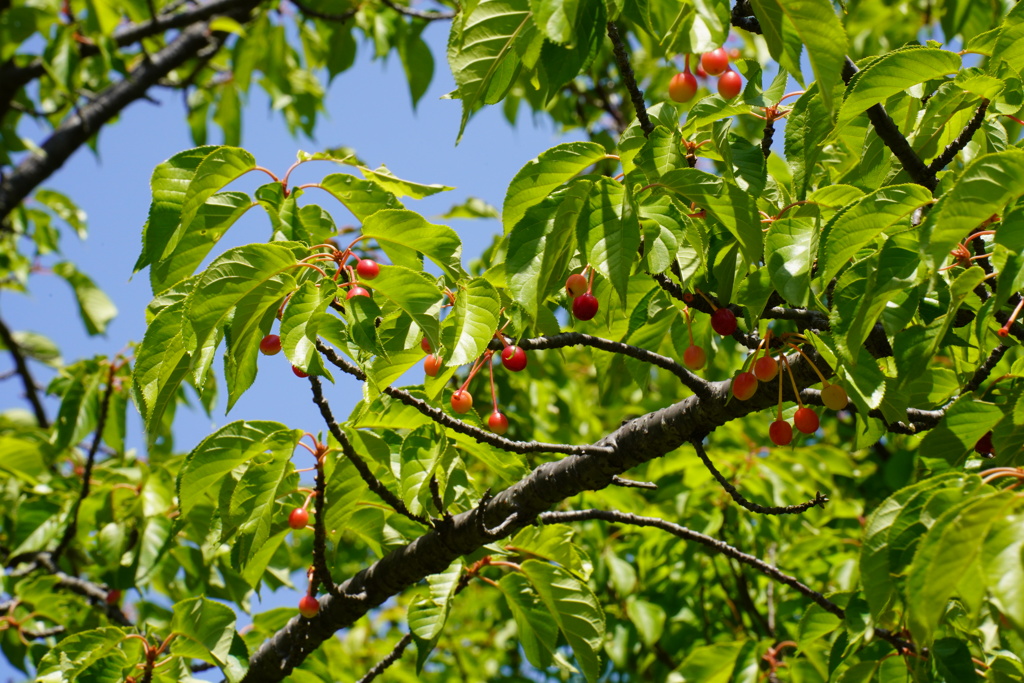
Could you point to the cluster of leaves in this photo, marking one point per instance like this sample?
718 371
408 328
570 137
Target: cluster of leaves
912 571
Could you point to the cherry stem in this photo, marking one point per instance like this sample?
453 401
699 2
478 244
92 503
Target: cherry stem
686 62
705 297
1014 118
476 368
689 326
308 449
1013 316
501 337
796 392
305 503
494 394
780 397
503 563
791 205
980 233
795 93
590 283
314 267
267 171
164 645
824 382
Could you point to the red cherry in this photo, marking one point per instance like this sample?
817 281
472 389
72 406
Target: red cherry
299 373
584 307
298 518
576 284
497 422
834 397
367 269
308 606
356 291
715 62
270 345
432 365
701 73
682 87
694 357
462 401
806 420
984 445
113 596
723 321
765 368
780 433
425 345
730 84
513 358
744 385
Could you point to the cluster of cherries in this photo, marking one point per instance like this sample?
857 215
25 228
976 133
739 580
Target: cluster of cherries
683 86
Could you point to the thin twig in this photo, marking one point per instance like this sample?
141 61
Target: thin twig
392 657
372 482
629 79
986 368
419 14
325 16
21 365
446 420
952 149
323 572
101 420
818 501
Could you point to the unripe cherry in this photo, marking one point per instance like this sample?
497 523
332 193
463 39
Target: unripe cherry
497 422
834 397
682 87
715 62
513 358
723 321
298 519
744 385
367 269
357 291
806 420
584 307
462 401
730 84
270 345
694 357
308 606
432 365
780 433
576 284
299 373
766 368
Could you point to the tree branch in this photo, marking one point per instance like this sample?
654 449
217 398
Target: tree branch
96 594
372 482
952 149
629 79
325 16
392 657
419 14
101 420
323 571
446 420
21 365
79 127
818 500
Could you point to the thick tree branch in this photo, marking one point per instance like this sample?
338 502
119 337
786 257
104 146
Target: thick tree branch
87 121
101 420
818 500
629 79
446 420
21 366
638 441
952 149
372 482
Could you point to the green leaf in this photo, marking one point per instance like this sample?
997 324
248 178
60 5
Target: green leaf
538 632
254 272
79 405
300 325
205 630
894 73
481 52
161 363
725 202
814 24
540 177
169 183
421 453
857 224
95 308
427 616
609 233
66 209
807 127
215 171
220 453
648 618
983 189
710 663
554 543
574 608
541 244
362 197
964 423
474 320
398 187
789 249
88 654
1001 560
414 292
417 61
949 549
405 235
